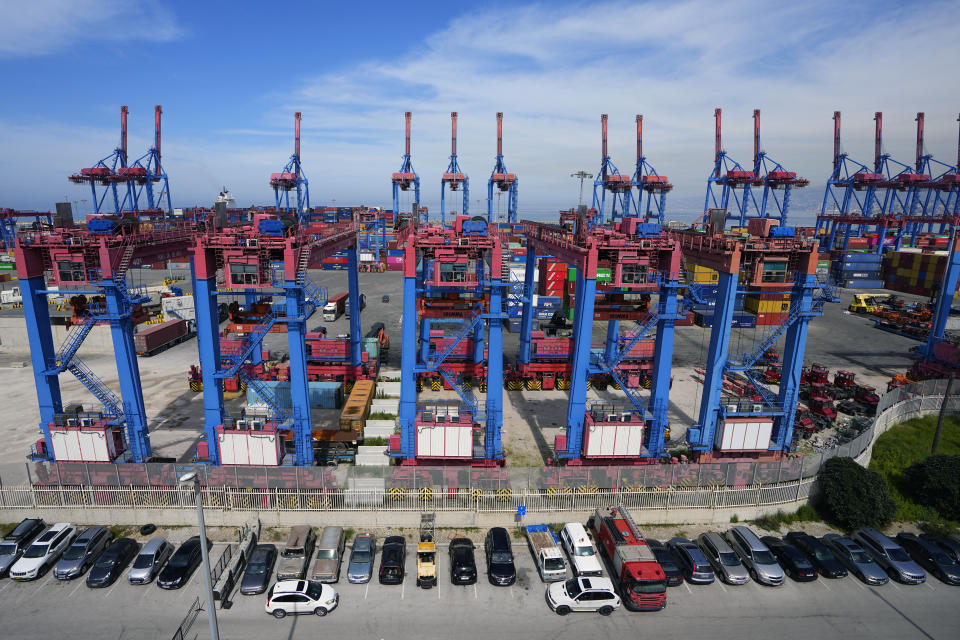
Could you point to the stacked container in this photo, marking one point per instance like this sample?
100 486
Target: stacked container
857 270
551 278
913 271
770 308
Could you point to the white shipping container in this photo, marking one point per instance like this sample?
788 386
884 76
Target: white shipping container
249 447
744 434
74 445
178 307
445 440
366 257
614 440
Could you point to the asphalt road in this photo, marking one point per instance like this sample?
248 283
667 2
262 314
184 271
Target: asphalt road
842 608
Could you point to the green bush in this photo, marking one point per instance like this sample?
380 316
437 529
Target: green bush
851 496
376 442
774 522
935 482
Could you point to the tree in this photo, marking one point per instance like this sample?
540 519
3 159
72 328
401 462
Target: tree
935 482
854 497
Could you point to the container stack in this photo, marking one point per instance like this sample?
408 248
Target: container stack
551 277
769 308
702 275
858 270
914 271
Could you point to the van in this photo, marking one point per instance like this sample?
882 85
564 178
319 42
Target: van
583 557
296 553
149 561
890 556
80 555
757 558
326 565
725 561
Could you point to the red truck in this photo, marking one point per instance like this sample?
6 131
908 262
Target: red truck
634 569
158 337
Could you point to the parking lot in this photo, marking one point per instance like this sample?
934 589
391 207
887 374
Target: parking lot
844 608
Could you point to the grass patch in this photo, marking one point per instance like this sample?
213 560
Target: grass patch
902 446
7 528
124 530
775 521
376 442
348 534
380 415
734 519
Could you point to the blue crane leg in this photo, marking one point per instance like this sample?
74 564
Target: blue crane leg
700 437
662 368
408 363
582 334
43 353
256 357
424 339
945 298
135 415
299 387
526 321
794 347
208 344
613 338
493 448
356 337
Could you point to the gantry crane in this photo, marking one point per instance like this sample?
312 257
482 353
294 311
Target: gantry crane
454 177
292 177
406 177
609 179
942 187
647 180
136 179
502 180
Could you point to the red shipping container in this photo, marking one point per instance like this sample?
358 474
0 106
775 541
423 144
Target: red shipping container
152 338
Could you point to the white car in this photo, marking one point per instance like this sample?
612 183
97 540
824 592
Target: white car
301 596
43 552
583 594
583 556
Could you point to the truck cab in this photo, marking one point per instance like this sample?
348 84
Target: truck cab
545 548
583 556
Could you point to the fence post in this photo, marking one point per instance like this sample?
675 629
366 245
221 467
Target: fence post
797 497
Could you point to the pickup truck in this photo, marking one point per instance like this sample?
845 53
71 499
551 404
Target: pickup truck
545 548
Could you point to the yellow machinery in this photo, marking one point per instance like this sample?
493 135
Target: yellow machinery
867 302
426 553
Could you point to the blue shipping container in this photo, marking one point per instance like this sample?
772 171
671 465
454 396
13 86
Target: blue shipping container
862 284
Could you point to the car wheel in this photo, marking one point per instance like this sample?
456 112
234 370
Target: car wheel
279 614
320 611
605 611
753 574
563 610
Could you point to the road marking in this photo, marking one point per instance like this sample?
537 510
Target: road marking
403 588
476 596
721 586
112 587
929 586
895 585
4 587
689 590
366 591
511 591
857 582
823 582
79 584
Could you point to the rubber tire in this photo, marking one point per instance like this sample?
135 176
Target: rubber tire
753 575
605 611
563 610
321 611
147 529
279 614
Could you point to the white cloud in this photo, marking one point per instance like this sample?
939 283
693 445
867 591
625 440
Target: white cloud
43 27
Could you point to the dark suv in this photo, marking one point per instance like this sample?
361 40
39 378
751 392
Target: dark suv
393 555
463 566
500 568
818 553
14 543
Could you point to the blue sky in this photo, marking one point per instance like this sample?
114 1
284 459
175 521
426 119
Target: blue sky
230 74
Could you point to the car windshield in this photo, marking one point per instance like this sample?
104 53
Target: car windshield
898 555
8 549
572 587
501 557
763 557
106 561
314 590
938 557
179 559
360 556
391 555
293 553
326 554
74 552
729 559
584 551
257 568
860 556
143 562
649 586
553 564
36 551
823 554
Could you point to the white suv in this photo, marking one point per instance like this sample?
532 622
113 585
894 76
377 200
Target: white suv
301 596
583 557
583 594
43 551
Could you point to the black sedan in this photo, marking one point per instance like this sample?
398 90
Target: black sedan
182 564
793 561
931 557
256 577
393 556
669 564
112 562
948 545
818 553
463 565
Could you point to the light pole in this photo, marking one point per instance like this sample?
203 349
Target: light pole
211 609
583 175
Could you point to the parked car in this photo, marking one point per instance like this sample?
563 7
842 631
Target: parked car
793 561
326 565
43 552
81 553
393 557
256 577
818 553
111 563
182 564
150 560
694 565
498 549
948 545
756 557
891 556
15 543
583 594
296 553
360 567
463 565
583 556
301 596
668 563
856 559
931 557
726 563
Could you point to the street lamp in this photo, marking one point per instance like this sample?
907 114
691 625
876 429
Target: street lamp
583 175
211 610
